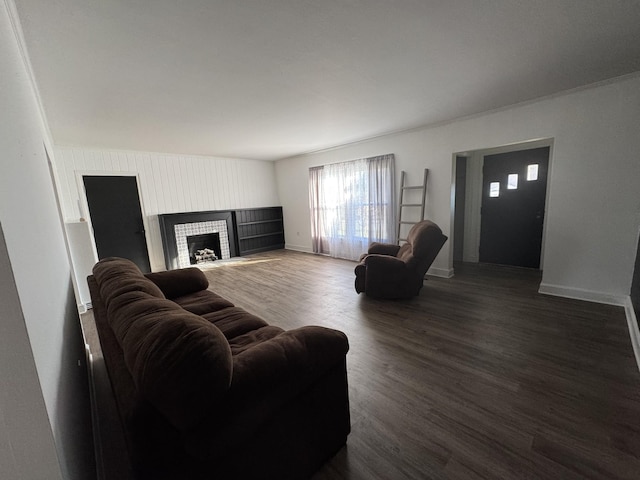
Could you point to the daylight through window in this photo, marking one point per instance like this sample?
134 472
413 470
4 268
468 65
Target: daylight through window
352 205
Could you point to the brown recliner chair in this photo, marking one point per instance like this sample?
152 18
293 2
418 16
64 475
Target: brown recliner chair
393 271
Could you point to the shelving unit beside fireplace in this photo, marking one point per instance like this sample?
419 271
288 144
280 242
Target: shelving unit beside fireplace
259 229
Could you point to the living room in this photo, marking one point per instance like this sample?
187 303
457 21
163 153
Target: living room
591 223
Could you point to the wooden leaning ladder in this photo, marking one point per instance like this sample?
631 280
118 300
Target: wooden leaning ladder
403 205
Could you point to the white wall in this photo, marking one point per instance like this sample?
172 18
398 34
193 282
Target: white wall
27 448
473 203
44 408
169 184
593 210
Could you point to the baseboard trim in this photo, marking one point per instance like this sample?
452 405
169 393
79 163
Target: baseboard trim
581 294
297 248
634 331
440 272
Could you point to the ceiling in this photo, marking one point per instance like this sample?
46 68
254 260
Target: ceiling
272 79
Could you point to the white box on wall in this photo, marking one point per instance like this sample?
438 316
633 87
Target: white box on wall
83 258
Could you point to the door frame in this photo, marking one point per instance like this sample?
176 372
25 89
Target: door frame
473 198
83 204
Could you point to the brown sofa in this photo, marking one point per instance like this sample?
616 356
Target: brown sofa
393 271
206 390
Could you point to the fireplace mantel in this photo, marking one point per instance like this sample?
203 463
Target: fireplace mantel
168 222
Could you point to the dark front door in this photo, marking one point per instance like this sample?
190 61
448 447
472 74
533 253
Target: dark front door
116 216
514 188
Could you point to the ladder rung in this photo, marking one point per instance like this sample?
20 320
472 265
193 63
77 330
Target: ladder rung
423 192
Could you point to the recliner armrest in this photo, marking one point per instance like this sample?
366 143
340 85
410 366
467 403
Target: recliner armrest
383 264
383 249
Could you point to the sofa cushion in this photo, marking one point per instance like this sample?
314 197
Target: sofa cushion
202 302
241 343
234 321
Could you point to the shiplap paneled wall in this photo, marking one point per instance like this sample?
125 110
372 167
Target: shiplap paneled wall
169 184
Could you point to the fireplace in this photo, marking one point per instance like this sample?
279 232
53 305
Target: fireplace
177 228
201 230
204 248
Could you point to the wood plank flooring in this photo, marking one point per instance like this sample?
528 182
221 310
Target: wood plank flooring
480 377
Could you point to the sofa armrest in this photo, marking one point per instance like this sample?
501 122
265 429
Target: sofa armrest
265 379
176 283
303 353
383 249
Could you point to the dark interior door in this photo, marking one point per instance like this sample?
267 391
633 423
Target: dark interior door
116 216
514 188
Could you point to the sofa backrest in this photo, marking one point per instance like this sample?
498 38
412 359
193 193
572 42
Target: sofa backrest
119 275
180 363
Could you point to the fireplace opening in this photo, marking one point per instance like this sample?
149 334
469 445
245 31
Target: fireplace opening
204 248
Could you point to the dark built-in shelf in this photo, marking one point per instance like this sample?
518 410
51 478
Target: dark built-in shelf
261 235
259 229
259 221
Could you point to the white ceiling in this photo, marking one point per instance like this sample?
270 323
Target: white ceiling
268 79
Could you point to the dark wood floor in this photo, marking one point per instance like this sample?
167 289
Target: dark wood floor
478 377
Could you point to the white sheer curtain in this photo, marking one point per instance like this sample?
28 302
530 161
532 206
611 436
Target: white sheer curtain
352 204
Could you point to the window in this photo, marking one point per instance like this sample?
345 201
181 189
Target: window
512 181
494 189
532 172
352 205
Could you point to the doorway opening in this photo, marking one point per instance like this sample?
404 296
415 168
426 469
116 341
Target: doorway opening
499 204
